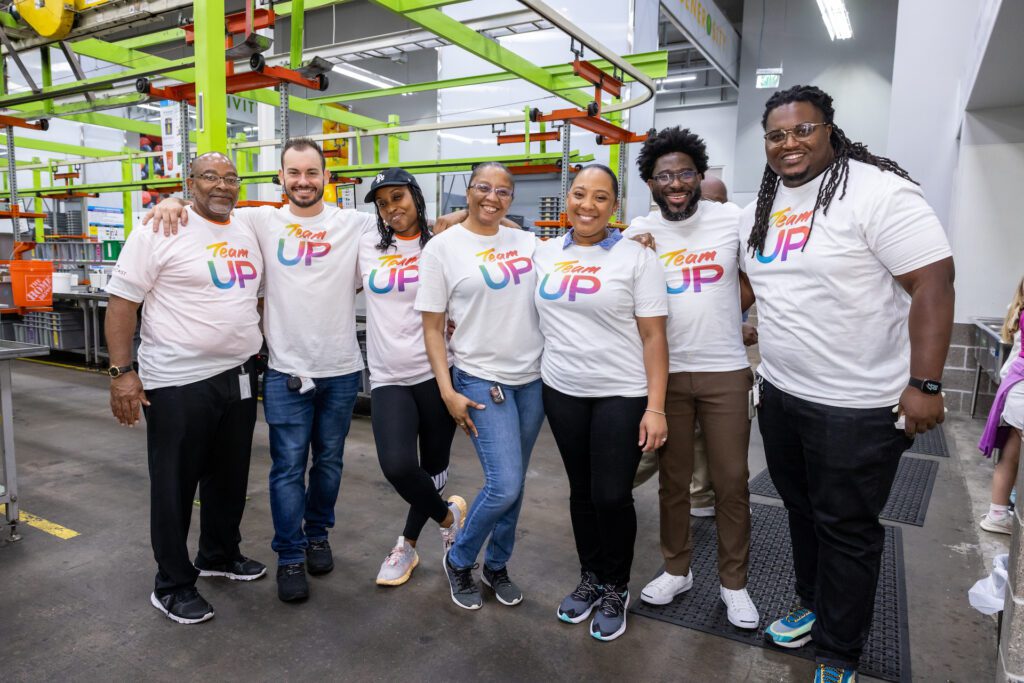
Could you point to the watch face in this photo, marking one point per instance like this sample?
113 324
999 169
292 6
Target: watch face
932 387
113 372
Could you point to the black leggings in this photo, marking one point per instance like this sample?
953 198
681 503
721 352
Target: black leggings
597 438
400 415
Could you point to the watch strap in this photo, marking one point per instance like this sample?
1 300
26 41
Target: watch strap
927 386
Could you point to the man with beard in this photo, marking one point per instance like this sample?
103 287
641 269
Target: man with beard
196 382
709 376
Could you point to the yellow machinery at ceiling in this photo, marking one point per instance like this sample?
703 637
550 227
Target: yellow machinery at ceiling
53 19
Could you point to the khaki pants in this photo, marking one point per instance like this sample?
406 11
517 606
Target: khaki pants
702 495
719 401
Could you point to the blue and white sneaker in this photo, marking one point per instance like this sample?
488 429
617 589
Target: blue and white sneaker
834 674
610 621
576 606
792 630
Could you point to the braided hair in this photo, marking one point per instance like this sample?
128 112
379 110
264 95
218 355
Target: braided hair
837 173
387 234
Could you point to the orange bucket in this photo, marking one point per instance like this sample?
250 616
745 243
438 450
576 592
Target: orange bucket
32 283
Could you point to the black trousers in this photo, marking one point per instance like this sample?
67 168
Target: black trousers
401 417
834 468
198 434
597 438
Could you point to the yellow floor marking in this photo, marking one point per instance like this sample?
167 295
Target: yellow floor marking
44 525
61 365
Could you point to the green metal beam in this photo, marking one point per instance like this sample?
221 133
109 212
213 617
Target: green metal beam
459 34
211 79
654 64
295 37
57 147
412 5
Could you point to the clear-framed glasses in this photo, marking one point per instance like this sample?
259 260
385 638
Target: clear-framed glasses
667 177
213 179
485 189
800 131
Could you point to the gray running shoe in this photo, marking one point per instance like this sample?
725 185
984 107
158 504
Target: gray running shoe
576 606
610 620
504 589
465 592
457 504
398 565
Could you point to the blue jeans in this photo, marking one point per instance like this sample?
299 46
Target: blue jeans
507 432
319 418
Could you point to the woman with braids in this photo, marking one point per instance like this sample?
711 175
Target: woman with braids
841 251
406 403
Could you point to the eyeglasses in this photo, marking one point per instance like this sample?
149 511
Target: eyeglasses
667 177
213 179
800 131
484 189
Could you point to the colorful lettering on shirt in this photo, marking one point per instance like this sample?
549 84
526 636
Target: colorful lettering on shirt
401 271
696 267
224 257
505 267
309 247
791 237
576 279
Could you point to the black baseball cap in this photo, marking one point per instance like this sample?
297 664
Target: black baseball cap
388 178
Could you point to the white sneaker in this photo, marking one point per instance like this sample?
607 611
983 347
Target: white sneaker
457 504
703 512
740 608
999 525
666 586
398 565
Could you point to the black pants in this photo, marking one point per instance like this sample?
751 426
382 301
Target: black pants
833 468
198 434
597 438
401 416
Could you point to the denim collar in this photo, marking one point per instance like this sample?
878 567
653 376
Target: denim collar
611 237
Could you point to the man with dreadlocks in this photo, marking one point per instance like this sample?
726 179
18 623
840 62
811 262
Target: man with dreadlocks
709 375
841 248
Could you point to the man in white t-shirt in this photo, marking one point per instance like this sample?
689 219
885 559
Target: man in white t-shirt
196 382
709 376
841 249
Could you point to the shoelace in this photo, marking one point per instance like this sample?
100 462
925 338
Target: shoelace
795 615
830 674
611 603
318 545
290 569
448 535
464 579
500 578
586 590
395 555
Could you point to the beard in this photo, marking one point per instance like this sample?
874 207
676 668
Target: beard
304 204
687 211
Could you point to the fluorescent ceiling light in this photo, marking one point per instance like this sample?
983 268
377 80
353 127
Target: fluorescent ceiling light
365 76
836 18
679 79
148 106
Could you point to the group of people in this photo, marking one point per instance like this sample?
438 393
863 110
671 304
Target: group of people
625 343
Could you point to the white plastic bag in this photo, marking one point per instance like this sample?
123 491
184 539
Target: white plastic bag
989 594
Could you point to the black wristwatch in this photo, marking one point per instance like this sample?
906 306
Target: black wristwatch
927 386
116 371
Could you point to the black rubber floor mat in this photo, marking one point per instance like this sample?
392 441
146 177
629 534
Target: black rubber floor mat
908 499
887 652
932 442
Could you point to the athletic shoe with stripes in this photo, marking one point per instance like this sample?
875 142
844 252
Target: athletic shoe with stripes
792 630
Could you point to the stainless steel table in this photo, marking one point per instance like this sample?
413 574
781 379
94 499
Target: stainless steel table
90 303
9 351
991 353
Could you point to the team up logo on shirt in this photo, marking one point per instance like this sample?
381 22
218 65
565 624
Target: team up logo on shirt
309 246
402 272
505 266
576 279
698 269
224 257
791 237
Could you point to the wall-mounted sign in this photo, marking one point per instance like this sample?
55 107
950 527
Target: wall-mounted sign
707 28
768 78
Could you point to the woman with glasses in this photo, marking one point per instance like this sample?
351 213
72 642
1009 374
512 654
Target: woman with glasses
483 278
602 307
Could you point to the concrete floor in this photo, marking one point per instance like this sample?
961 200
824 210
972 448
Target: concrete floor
79 609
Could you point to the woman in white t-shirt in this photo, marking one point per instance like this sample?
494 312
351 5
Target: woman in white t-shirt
602 305
482 277
407 409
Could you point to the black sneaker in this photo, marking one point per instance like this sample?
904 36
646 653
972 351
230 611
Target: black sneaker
242 569
465 592
504 589
610 621
185 606
576 606
319 559
291 582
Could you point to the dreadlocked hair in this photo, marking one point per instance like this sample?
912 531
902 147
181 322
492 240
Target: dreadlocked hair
387 234
837 175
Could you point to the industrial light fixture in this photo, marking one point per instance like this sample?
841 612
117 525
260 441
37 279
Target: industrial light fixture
836 18
148 106
365 76
679 79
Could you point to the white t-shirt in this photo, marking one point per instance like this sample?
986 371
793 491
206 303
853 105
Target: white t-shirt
832 319
588 299
199 295
309 314
700 256
394 329
486 285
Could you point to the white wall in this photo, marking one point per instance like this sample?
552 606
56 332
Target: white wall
717 125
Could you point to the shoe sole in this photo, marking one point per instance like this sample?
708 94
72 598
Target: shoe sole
401 579
460 503
444 561
233 577
318 572
698 512
180 620
622 629
499 598
788 645
563 617
988 526
651 601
